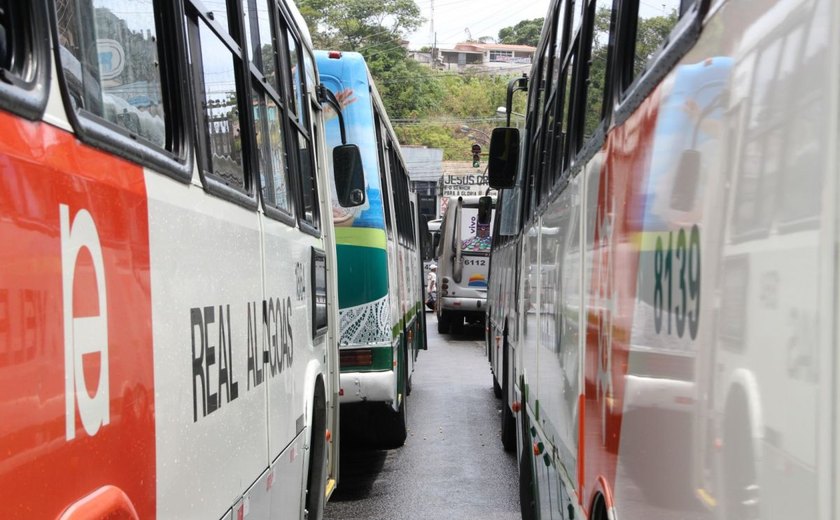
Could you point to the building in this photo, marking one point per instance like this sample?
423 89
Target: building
488 56
425 170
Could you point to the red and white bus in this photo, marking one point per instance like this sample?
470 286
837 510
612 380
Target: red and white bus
167 292
663 292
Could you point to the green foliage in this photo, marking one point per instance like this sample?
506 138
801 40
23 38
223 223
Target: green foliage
470 99
408 89
456 145
351 25
526 32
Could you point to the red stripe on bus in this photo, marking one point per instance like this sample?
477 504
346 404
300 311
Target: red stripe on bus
73 219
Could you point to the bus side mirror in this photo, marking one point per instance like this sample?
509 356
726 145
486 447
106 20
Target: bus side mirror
504 157
349 175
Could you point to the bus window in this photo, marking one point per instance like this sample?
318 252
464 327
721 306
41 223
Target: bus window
258 41
6 49
652 25
297 104
219 101
301 136
111 65
602 26
23 62
269 133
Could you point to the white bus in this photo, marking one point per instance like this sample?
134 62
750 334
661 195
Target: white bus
168 316
664 293
463 262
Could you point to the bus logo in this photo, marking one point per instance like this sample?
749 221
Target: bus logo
85 336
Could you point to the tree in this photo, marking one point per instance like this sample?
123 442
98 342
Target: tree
351 25
526 32
375 28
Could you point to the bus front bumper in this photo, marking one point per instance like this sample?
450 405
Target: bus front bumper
359 387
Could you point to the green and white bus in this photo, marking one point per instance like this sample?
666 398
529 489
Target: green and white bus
379 266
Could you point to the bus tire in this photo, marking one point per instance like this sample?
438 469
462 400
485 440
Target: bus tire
740 490
497 390
457 324
317 470
599 509
406 373
444 320
527 494
508 420
394 427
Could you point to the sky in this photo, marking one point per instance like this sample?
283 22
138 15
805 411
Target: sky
481 17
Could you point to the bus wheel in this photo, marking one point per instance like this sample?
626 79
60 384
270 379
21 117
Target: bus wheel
394 427
457 325
444 320
406 373
497 390
508 421
317 471
527 496
741 497
599 510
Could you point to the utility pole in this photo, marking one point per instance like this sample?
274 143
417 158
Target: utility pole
434 36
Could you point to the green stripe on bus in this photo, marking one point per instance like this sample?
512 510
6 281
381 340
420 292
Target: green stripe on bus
362 275
360 237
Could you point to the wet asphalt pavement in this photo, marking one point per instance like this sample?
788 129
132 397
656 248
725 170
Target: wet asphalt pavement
452 465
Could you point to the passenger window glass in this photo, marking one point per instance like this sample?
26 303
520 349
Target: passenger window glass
563 119
755 178
577 16
654 22
6 47
109 55
597 82
558 44
383 183
218 13
309 67
307 180
259 42
268 129
220 104
294 61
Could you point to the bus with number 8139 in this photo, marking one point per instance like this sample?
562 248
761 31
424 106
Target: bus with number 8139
663 286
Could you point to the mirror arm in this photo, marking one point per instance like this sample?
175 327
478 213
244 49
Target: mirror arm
520 83
325 95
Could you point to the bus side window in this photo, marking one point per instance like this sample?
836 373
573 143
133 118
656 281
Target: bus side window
600 29
269 111
301 133
384 162
111 67
6 49
549 86
220 110
24 58
649 28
